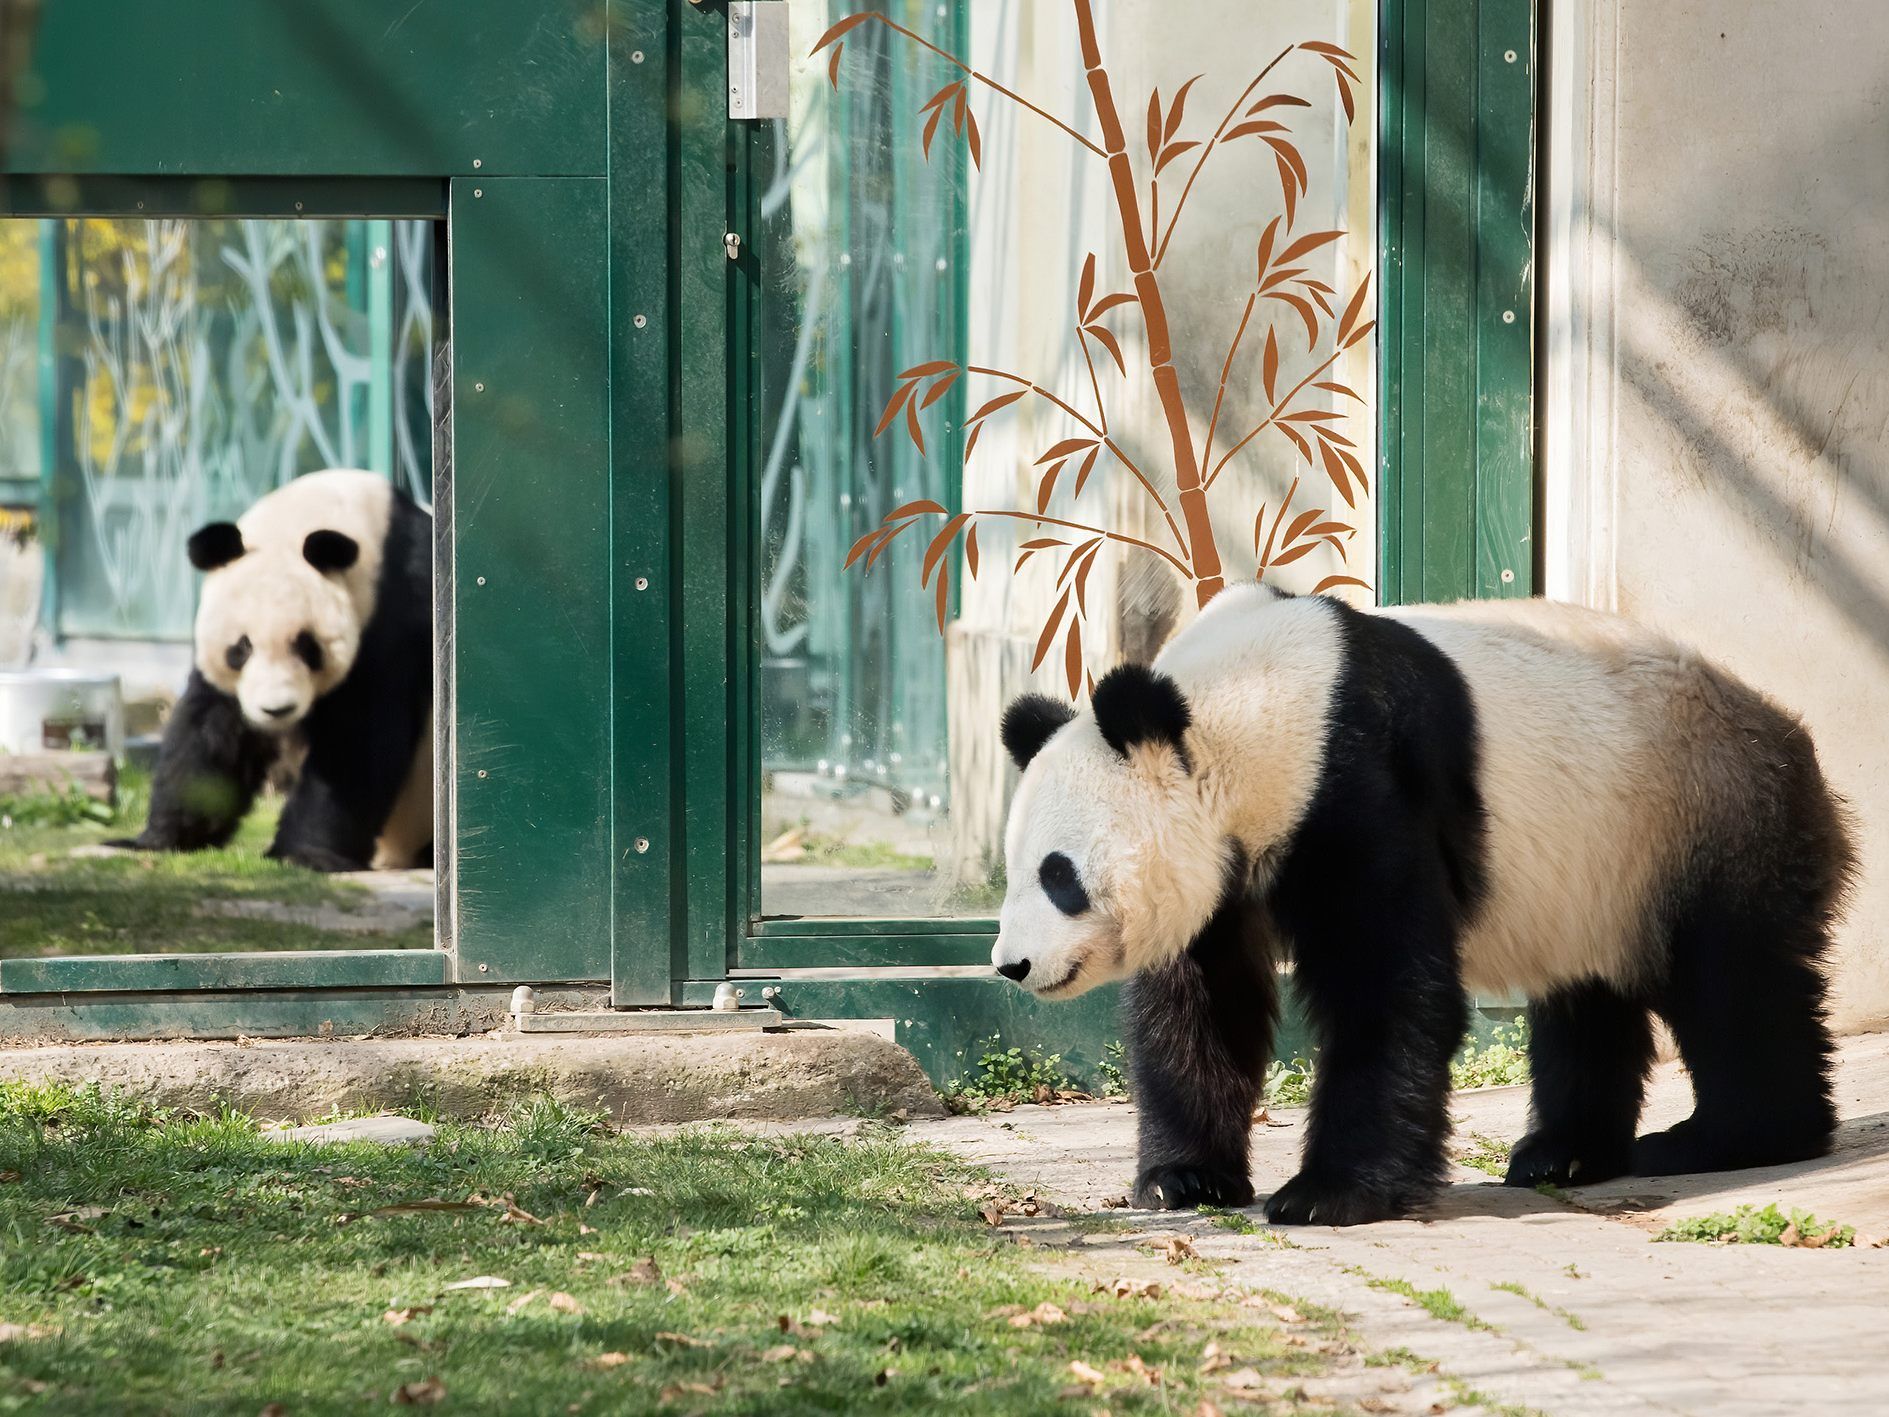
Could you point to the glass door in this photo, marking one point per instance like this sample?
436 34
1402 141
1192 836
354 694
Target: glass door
1066 321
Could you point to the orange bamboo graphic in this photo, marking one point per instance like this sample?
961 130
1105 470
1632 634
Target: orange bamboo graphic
1283 286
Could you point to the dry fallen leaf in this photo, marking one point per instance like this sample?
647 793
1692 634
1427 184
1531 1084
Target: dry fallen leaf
1044 1313
1179 1248
1206 1409
74 1220
565 1304
8 1176
1244 1380
514 1213
1115 1203
397 1317
819 1318
1285 1313
1212 1359
424 1393
992 1212
583 1229
1126 1288
14 1333
479 1281
1086 1373
1374 1404
1133 1364
427 1206
644 1271
608 1360
273 1409
517 1305
675 1390
1790 1238
780 1353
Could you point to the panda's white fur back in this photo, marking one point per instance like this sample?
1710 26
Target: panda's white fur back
1603 747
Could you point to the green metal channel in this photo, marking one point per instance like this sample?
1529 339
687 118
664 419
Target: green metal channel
418 198
274 969
1456 247
862 949
531 514
337 87
645 468
796 925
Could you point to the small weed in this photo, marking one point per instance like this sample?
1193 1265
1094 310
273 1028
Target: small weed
1470 1397
1554 1192
1501 1062
1486 1154
1575 1272
1011 1076
1113 1070
1749 1225
71 807
1239 1222
1400 1358
1289 1084
1573 1321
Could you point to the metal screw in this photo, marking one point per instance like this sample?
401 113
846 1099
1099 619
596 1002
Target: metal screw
1508 576
481 582
636 56
639 320
771 993
1508 317
483 968
478 162
481 772
478 191
642 582
478 388
140 206
1508 56
642 845
298 206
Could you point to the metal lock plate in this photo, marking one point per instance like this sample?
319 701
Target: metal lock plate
757 59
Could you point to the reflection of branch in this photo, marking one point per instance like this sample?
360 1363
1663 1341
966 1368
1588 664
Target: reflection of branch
983 79
1174 217
1272 417
1036 518
1101 411
1114 448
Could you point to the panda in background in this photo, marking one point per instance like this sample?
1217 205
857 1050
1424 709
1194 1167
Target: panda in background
1410 804
314 651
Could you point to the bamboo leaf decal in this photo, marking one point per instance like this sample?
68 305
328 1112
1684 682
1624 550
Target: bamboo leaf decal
1269 370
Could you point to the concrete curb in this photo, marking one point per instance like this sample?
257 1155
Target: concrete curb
638 1080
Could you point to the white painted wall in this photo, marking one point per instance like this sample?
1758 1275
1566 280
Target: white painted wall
1717 360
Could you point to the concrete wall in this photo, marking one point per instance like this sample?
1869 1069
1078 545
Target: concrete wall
1717 356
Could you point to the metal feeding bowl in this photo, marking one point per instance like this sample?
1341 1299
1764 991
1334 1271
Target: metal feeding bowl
45 710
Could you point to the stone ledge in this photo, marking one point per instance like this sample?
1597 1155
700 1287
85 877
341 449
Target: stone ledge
637 1080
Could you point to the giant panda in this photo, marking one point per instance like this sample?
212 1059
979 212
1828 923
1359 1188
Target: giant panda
1514 797
313 651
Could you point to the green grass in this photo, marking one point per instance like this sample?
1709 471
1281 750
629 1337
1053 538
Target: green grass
1573 1321
1007 1076
1749 1225
1438 1303
56 904
196 1266
1486 1154
1501 1062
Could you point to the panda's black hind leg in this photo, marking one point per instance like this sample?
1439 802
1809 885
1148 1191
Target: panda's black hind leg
1589 1047
1199 1035
1746 1007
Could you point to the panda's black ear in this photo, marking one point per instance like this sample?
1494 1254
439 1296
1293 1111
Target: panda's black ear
1135 705
1028 724
330 551
214 545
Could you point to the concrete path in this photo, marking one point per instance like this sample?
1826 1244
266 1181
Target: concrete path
1568 1308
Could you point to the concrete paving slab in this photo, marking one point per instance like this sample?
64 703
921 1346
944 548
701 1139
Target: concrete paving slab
1571 1308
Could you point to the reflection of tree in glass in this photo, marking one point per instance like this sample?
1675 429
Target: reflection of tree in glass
1283 285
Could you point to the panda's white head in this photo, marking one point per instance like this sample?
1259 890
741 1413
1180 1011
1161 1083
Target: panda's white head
1114 856
276 628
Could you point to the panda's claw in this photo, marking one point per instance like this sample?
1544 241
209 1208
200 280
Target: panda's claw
1546 1159
1308 1200
1185 1187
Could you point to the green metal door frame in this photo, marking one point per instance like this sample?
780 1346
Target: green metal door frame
604 785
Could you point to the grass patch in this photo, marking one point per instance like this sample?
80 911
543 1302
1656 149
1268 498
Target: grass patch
1750 1225
1439 1303
1486 1154
1289 1084
163 1263
1573 1321
59 904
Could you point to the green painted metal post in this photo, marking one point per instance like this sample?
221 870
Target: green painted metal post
54 424
379 243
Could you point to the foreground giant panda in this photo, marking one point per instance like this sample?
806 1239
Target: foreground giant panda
313 646
1510 797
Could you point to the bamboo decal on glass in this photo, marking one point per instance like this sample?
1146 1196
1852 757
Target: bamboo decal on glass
1284 293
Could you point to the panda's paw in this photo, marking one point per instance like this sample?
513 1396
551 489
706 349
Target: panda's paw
1185 1187
1311 1200
1548 1159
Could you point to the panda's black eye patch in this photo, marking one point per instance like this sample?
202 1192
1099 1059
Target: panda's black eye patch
237 655
308 649
1058 877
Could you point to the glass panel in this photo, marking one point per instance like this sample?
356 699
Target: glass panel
157 375
965 351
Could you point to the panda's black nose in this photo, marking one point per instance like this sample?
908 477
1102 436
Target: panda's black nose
1015 970
280 711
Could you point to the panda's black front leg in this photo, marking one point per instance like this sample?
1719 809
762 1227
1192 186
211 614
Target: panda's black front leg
210 765
1199 1037
1383 986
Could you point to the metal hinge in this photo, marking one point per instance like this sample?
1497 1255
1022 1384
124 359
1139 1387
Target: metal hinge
758 59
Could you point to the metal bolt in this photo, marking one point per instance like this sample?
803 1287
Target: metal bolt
636 56
639 320
1508 576
482 582
1508 317
478 162
642 845
1508 56
642 582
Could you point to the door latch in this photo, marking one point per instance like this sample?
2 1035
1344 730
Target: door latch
758 59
